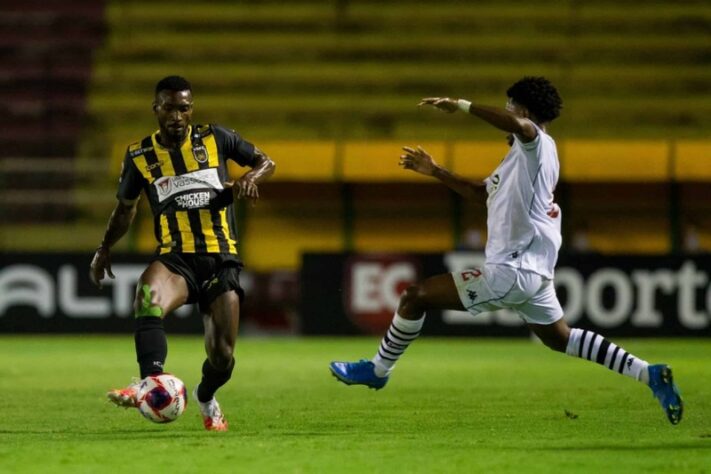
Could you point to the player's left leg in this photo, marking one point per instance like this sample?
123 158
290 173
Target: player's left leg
591 346
221 326
221 323
555 333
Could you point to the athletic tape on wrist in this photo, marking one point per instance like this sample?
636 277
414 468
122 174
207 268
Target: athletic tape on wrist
464 105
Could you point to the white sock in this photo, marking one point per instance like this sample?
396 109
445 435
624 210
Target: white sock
400 334
592 346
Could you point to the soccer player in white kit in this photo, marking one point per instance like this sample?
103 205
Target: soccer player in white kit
524 236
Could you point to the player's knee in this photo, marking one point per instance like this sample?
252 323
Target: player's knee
555 344
412 301
557 341
221 355
146 302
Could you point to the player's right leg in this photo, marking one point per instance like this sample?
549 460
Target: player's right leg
438 292
159 292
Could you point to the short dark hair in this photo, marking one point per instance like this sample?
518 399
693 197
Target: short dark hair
174 84
538 95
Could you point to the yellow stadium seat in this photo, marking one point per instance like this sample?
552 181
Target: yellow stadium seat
302 161
628 235
378 161
614 161
385 234
277 231
693 161
476 160
275 241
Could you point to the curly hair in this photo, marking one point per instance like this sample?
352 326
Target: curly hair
173 84
538 95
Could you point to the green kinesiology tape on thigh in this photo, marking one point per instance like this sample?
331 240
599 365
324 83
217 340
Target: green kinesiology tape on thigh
147 309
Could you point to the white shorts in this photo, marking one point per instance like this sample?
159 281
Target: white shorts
501 286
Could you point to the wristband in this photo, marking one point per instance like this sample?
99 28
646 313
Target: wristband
464 105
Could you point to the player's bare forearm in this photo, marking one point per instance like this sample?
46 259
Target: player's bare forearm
118 225
504 120
119 222
263 168
418 160
246 187
472 190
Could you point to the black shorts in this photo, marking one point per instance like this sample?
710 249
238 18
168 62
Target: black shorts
208 275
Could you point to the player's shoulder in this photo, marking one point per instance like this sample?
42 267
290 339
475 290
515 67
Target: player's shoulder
541 141
220 130
547 141
138 148
222 135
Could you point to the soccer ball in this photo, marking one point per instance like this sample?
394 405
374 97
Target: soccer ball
162 398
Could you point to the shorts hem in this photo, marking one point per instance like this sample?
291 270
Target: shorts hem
529 320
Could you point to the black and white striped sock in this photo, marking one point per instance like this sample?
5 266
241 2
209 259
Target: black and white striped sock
400 334
592 346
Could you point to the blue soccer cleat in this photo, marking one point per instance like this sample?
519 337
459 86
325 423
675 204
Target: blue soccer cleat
666 391
358 373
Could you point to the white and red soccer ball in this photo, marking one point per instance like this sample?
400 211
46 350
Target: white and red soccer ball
162 398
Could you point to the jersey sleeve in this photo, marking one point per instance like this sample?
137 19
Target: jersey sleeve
131 180
234 147
533 144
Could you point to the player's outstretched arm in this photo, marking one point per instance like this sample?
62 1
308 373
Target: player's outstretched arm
500 118
419 161
246 186
119 222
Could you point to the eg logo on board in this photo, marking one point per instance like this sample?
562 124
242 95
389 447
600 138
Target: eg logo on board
373 286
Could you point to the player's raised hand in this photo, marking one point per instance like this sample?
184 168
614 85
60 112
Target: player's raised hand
442 103
418 160
246 188
99 264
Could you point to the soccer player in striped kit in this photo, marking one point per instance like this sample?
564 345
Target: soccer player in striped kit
524 237
182 170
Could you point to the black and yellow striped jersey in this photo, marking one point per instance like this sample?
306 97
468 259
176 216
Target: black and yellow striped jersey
192 210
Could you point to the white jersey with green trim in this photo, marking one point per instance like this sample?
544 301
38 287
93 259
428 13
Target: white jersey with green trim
523 221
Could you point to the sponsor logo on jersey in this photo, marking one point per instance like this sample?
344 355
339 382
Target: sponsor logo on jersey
139 151
492 185
200 154
154 165
200 180
163 186
193 200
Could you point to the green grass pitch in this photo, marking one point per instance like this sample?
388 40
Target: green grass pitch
452 405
